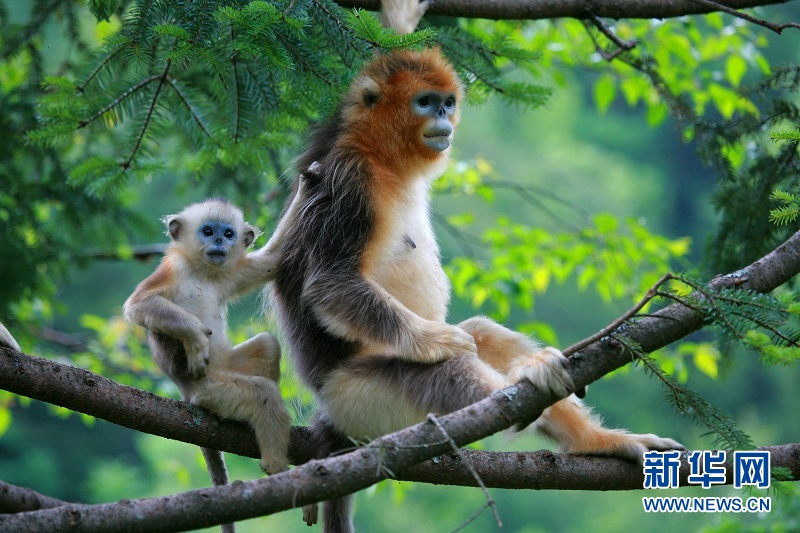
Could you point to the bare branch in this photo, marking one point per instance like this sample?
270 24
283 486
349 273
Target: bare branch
66 340
605 29
777 28
581 9
142 253
336 476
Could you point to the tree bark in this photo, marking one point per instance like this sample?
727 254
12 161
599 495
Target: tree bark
15 499
329 478
580 9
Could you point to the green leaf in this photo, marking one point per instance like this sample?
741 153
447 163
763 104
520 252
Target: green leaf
605 90
705 359
656 114
606 224
5 420
724 99
735 68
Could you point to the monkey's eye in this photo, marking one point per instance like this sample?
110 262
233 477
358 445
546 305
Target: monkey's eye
228 234
423 101
450 102
208 231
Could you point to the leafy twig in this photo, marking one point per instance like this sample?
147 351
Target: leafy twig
605 29
118 100
139 138
608 330
80 88
185 101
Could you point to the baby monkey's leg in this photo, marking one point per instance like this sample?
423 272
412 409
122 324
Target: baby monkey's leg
253 399
259 356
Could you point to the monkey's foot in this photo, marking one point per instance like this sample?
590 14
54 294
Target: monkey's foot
273 464
310 512
619 443
546 369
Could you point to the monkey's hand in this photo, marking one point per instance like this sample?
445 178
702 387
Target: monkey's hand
197 353
437 341
546 369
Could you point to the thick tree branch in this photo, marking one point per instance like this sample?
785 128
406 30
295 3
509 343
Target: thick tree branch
541 470
15 499
316 480
545 470
580 9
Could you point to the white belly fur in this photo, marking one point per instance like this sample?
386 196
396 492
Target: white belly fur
409 266
365 408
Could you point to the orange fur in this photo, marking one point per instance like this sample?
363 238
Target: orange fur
386 132
496 345
159 282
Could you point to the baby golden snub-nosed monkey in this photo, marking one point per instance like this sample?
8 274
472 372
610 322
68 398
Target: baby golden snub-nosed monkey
361 294
184 306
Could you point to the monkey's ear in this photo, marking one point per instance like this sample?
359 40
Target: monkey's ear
249 234
370 91
174 225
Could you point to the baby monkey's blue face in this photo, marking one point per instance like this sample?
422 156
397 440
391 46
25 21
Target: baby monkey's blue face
216 238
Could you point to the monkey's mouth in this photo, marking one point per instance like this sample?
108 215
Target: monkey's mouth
439 143
216 256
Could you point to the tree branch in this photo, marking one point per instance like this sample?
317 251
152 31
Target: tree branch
616 324
141 252
777 28
546 470
317 480
580 9
15 499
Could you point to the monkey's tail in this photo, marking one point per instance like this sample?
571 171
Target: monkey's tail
337 515
215 463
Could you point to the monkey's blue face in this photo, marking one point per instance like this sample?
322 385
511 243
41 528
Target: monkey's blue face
438 108
217 238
